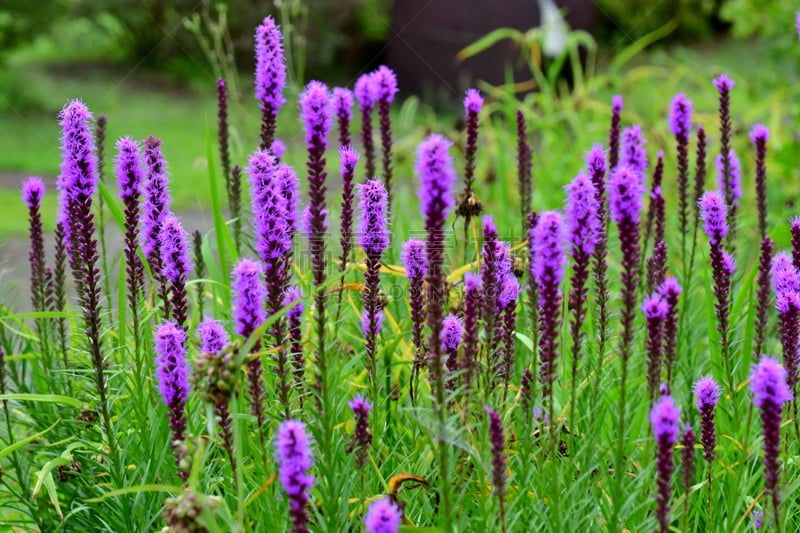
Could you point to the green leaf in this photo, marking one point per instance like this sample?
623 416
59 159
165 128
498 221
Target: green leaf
489 40
46 398
153 487
636 47
24 442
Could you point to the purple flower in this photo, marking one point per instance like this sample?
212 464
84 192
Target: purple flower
362 437
687 459
665 418
371 325
315 110
349 160
613 137
172 374
723 83
366 91
385 82
768 384
616 104
714 213
342 103
293 298
79 165
581 214
129 173
451 337
786 281
759 133
33 191
174 250
548 252
415 262
270 78
596 163
655 309
634 155
625 191
734 181
414 259
373 235
213 337
758 514
797 24
248 297
434 166
472 313
289 187
157 199
498 442
473 102
707 393
383 516
670 291
680 116
293 455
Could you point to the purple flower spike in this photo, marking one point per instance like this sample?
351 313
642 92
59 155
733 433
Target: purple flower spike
714 213
342 102
157 201
625 196
213 337
366 93
172 375
634 155
472 313
734 180
786 280
723 83
680 116
129 178
763 295
176 264
759 136
707 394
451 337
415 261
373 237
728 175
655 309
293 455
548 271
32 193
270 78
383 516
248 298
613 137
315 110
770 392
349 160
507 306
687 460
473 102
295 317
670 291
362 437
385 82
469 205
797 24
665 418
386 85
498 442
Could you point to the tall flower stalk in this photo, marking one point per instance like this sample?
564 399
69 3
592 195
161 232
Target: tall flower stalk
665 418
763 295
707 392
687 468
625 203
670 291
699 186
248 315
157 202
373 237
349 160
33 190
434 167
383 516
415 261
294 458
614 130
498 444
176 264
366 93
294 316
582 227
524 168
362 437
470 340
270 77
680 124
172 375
79 173
759 136
714 213
548 271
223 138
468 204
386 86
724 85
342 102
655 310
786 280
770 392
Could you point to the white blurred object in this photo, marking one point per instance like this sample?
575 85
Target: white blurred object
554 28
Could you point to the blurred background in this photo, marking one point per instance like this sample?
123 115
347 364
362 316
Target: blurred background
150 66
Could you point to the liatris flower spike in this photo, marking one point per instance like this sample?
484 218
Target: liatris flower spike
213 337
787 301
548 271
498 441
373 237
157 202
687 463
472 313
362 437
129 177
670 291
759 136
763 295
524 172
342 101
270 77
473 103
634 155
655 310
680 124
451 337
172 375
665 418
386 85
383 516
293 455
32 193
770 392
707 392
366 93
415 261
176 264
294 316
613 136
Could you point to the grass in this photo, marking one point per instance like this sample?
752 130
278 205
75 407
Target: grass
576 491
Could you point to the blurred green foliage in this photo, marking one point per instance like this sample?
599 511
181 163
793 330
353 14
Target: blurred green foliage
636 18
769 18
